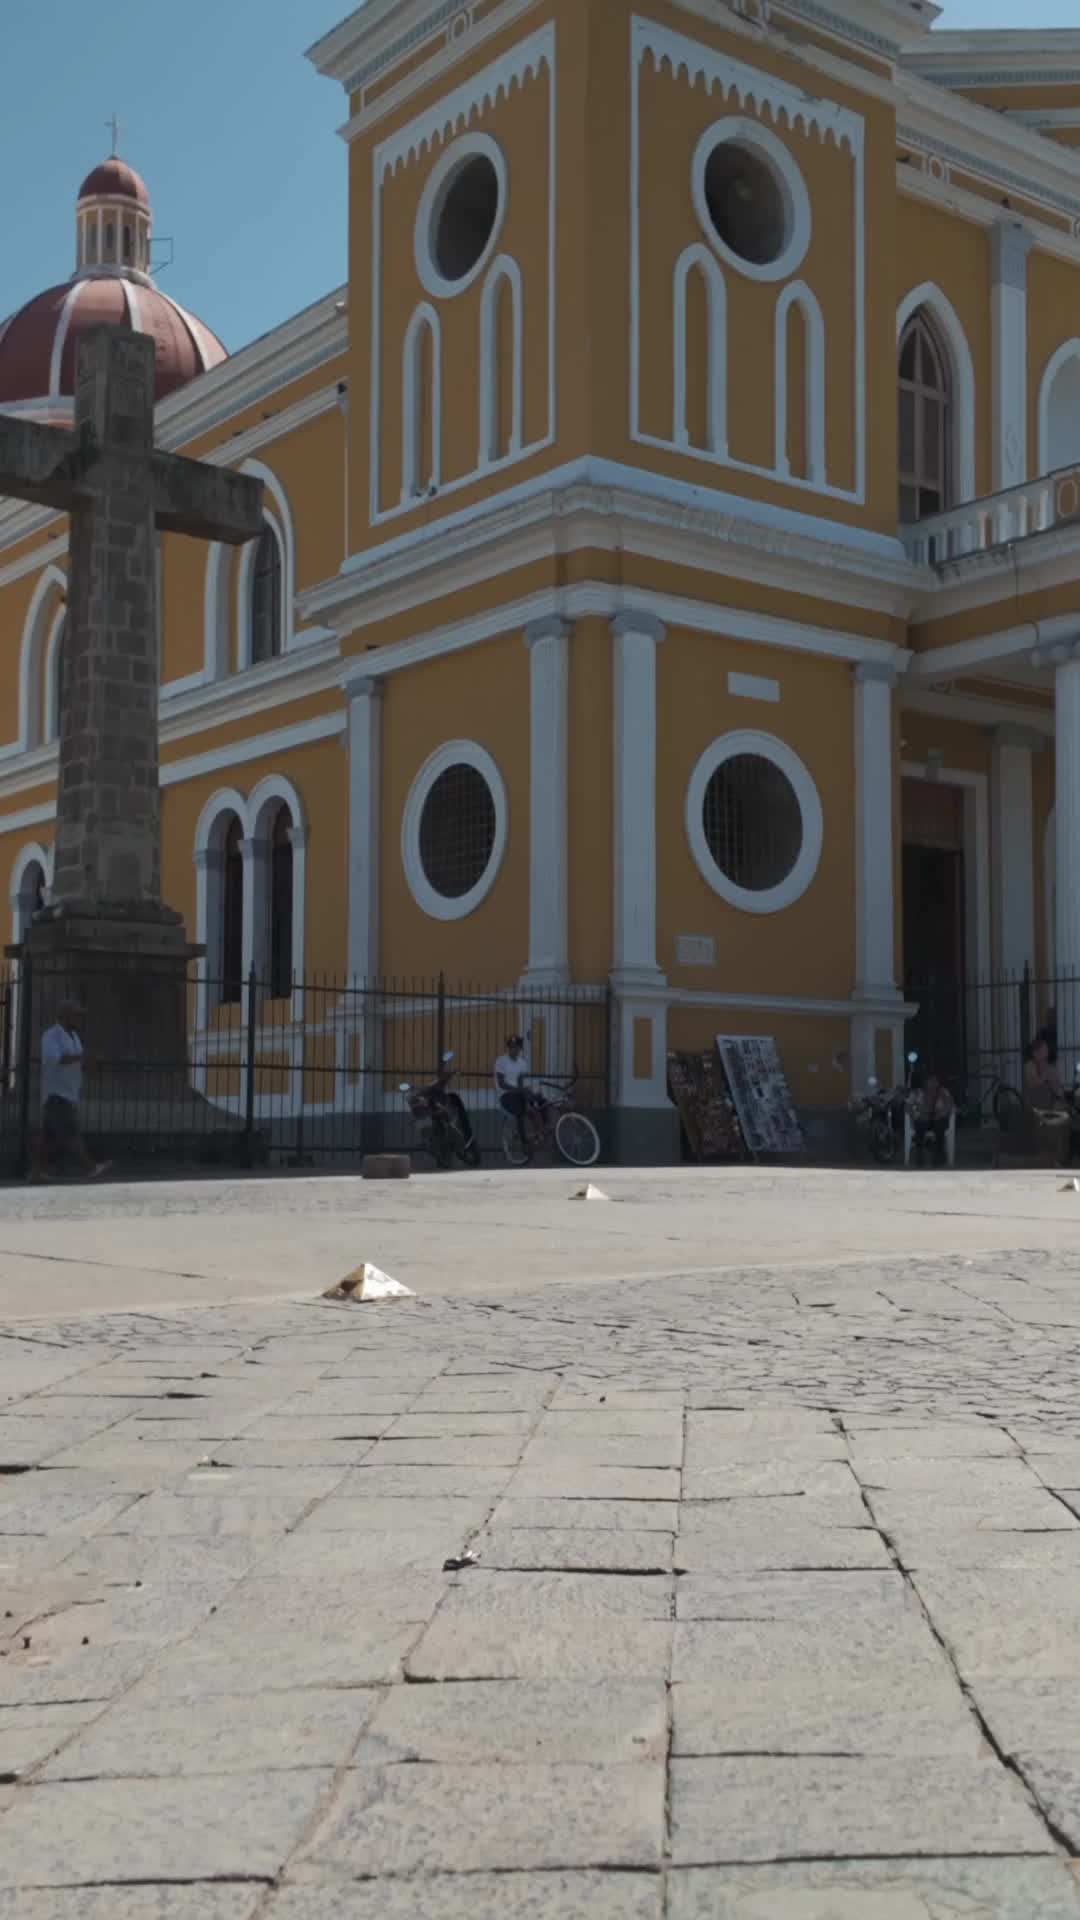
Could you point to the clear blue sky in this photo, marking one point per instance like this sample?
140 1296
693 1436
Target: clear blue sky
230 126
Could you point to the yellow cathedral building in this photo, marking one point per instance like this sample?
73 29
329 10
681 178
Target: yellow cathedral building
670 582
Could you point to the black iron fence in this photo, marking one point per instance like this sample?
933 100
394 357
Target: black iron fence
180 1068
976 1033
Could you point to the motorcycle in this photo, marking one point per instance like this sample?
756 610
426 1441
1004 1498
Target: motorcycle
879 1114
443 1127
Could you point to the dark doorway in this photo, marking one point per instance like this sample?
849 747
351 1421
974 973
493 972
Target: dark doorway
934 894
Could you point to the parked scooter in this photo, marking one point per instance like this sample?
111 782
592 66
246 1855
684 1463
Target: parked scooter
443 1127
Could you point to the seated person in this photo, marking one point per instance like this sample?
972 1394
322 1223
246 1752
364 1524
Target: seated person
1042 1082
930 1108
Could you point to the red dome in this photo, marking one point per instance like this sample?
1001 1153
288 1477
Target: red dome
117 180
37 345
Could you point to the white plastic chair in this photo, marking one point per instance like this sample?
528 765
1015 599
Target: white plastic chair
950 1139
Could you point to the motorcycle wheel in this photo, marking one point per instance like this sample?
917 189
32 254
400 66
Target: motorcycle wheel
473 1156
882 1142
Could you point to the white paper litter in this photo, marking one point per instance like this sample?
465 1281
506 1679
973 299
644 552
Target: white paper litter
591 1193
368 1283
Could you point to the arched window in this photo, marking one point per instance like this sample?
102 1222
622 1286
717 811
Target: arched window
232 913
925 422
54 681
281 905
266 598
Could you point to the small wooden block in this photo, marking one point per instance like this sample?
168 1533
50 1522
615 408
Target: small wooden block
385 1166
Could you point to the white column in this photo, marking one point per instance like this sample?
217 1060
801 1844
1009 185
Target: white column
875 953
548 642
874 879
1067 766
1008 326
1013 844
636 637
363 696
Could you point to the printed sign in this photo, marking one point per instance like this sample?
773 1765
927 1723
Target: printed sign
760 1093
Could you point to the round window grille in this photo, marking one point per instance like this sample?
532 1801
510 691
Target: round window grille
465 217
746 202
457 831
753 822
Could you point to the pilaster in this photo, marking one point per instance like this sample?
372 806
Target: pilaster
548 642
1009 246
363 695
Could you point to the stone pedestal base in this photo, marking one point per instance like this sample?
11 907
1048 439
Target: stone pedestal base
129 977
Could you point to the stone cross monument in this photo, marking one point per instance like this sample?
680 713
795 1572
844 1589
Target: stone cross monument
105 938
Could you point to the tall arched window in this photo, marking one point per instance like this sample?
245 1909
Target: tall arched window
281 905
232 913
266 598
925 422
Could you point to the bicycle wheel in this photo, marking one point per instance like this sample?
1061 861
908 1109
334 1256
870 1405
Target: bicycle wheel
515 1153
577 1140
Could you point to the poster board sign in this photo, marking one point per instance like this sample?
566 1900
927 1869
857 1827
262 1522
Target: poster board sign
760 1093
698 1086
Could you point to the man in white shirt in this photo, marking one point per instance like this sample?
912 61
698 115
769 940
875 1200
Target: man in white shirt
511 1070
60 1138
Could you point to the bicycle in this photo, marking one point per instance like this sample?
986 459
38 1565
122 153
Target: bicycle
998 1100
547 1119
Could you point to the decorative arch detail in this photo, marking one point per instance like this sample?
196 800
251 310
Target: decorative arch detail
798 296
425 324
38 627
961 370
505 272
1059 424
699 259
256 815
219 654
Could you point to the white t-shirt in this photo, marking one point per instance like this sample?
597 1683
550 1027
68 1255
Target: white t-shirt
63 1083
512 1071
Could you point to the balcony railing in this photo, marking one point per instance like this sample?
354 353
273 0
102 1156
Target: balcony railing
1037 507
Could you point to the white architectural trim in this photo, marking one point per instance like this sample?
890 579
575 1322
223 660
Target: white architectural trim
454 113
273 791
798 879
32 652
1049 854
548 642
414 483
504 271
695 259
454 753
20 897
758 92
1010 242
260 746
1068 350
63 323
753 686
798 219
210 830
962 378
50 727
365 824
875 951
472 146
636 635
255 815
245 576
279 518
799 295
46 555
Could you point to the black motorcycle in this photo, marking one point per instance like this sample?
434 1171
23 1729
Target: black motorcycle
443 1127
879 1115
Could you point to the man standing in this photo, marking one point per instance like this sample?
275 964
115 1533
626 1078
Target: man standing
60 1138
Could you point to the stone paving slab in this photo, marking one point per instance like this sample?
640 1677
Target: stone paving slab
475 1896
758 1808
879 1890
770 1564
452 1819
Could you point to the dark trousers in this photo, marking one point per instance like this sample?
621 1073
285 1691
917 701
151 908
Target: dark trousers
516 1104
927 1130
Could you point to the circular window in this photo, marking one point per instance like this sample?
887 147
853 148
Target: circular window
751 199
460 215
454 830
754 821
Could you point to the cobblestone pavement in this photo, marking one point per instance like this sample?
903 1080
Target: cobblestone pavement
775 1613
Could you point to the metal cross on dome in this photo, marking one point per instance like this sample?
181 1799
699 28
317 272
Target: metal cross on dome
113 125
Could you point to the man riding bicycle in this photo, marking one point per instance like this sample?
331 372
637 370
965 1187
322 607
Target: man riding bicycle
511 1072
